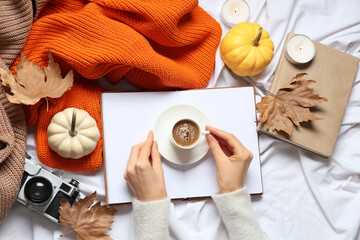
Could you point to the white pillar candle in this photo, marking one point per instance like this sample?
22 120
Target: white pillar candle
299 49
234 12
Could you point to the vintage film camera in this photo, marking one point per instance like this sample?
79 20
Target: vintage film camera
41 190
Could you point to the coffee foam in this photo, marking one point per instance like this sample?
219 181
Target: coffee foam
185 133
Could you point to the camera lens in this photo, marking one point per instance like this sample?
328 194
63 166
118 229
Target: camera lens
38 190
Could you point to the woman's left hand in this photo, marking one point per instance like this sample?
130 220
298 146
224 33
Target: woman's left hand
144 172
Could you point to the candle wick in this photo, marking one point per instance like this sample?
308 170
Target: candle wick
301 49
236 11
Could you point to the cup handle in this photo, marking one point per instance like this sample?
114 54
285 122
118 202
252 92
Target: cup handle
205 132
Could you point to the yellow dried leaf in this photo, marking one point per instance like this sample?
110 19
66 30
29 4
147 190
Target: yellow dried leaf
29 85
88 223
291 105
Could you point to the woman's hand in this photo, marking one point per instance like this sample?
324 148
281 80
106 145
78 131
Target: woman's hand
144 172
232 159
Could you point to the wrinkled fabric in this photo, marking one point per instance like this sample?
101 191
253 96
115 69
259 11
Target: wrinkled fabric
305 196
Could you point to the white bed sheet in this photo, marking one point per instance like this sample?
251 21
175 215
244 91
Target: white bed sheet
305 196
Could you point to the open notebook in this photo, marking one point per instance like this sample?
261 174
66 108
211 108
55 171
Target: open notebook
128 117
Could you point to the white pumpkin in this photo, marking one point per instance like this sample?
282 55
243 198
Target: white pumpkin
73 133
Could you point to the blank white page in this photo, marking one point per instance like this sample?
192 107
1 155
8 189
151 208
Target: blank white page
128 117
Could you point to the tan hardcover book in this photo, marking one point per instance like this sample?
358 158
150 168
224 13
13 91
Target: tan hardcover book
334 73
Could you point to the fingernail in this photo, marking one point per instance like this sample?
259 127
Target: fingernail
149 133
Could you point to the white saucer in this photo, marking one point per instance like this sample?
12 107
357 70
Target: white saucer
163 127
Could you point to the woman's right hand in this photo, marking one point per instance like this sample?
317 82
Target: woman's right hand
232 159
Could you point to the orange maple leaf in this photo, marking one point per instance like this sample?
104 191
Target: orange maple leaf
291 105
88 223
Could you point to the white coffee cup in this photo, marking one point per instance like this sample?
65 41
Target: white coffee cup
186 133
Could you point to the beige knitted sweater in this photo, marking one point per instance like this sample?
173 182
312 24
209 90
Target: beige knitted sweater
16 17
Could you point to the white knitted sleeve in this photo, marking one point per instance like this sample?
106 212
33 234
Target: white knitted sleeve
237 214
151 219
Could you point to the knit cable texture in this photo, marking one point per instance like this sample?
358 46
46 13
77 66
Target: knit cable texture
16 18
15 22
12 152
154 44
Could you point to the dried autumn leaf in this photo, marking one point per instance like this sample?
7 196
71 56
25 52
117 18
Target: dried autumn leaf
291 105
88 223
28 85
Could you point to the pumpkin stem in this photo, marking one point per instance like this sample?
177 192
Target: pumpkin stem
72 131
255 42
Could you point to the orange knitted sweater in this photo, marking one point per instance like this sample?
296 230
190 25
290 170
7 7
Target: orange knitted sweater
154 44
